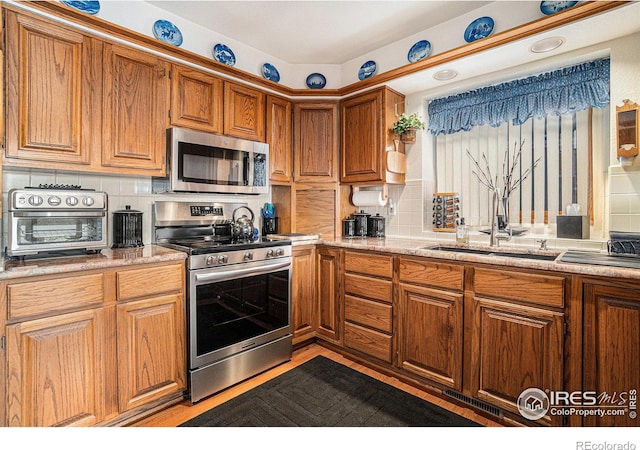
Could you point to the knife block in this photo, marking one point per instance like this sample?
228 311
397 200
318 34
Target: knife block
573 227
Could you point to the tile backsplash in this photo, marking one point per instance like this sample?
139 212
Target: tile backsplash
624 199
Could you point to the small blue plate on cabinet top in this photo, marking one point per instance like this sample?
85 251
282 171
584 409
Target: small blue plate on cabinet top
548 8
478 29
316 81
224 55
270 72
167 32
88 7
419 50
367 70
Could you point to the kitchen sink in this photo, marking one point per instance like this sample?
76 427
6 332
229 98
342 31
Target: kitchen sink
494 252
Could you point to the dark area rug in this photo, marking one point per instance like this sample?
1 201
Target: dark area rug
323 393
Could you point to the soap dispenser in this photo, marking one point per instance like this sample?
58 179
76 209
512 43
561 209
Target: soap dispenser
462 233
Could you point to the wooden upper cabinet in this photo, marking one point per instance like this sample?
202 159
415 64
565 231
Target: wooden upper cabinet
244 112
51 103
279 136
315 148
136 105
196 99
368 152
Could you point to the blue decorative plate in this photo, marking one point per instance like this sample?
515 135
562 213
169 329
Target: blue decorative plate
270 72
419 50
548 8
167 32
224 55
478 29
88 7
316 81
367 70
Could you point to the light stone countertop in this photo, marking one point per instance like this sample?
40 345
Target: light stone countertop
16 268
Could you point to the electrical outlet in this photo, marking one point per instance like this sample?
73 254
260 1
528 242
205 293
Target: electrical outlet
392 208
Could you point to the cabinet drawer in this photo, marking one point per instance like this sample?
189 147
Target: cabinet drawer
370 264
150 281
51 296
368 341
539 289
368 287
369 313
431 273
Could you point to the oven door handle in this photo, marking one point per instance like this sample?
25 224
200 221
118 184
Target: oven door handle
217 276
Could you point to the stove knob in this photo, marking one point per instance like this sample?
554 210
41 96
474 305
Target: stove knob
35 200
88 201
72 201
269 253
279 252
54 200
209 260
248 256
223 259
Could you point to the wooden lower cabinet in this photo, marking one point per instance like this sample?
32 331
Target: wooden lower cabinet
612 352
303 293
430 334
513 348
107 354
328 292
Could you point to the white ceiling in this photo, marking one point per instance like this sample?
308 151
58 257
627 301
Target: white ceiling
318 32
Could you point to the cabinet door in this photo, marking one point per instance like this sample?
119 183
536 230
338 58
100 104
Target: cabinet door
50 93
279 135
611 351
315 210
430 334
136 96
57 370
151 350
303 293
362 146
329 314
196 100
244 112
315 148
515 348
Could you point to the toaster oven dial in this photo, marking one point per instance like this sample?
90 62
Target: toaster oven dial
248 256
71 201
88 201
35 200
54 200
223 259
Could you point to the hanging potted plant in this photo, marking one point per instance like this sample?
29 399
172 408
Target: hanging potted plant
406 127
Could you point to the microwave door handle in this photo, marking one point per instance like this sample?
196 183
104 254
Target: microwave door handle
218 276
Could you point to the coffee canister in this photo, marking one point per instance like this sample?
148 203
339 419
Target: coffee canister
348 227
127 228
375 226
361 223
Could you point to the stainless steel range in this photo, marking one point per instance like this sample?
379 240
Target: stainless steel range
239 293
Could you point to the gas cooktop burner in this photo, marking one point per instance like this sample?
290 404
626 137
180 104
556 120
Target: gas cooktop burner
68 187
217 244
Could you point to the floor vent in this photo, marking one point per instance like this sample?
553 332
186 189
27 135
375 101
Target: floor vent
473 402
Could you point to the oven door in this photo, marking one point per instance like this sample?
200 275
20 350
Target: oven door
42 231
237 307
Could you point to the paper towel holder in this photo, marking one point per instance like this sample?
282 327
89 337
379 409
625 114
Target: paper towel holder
383 189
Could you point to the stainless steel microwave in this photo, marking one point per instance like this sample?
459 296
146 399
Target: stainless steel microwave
205 162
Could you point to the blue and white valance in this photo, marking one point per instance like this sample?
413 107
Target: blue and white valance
559 92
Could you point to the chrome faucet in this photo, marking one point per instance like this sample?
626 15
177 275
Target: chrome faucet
497 235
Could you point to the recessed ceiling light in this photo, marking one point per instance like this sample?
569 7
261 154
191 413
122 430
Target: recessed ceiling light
546 45
445 74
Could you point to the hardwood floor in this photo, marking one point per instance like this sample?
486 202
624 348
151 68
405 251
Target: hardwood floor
181 412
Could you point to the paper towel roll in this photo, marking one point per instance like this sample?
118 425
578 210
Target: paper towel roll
368 198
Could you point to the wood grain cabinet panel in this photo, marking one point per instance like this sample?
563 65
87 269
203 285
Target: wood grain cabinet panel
431 273
369 264
135 283
136 105
57 369
244 112
50 91
303 293
279 138
369 313
196 100
328 290
150 350
368 341
315 146
612 350
368 287
515 348
430 332
539 289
